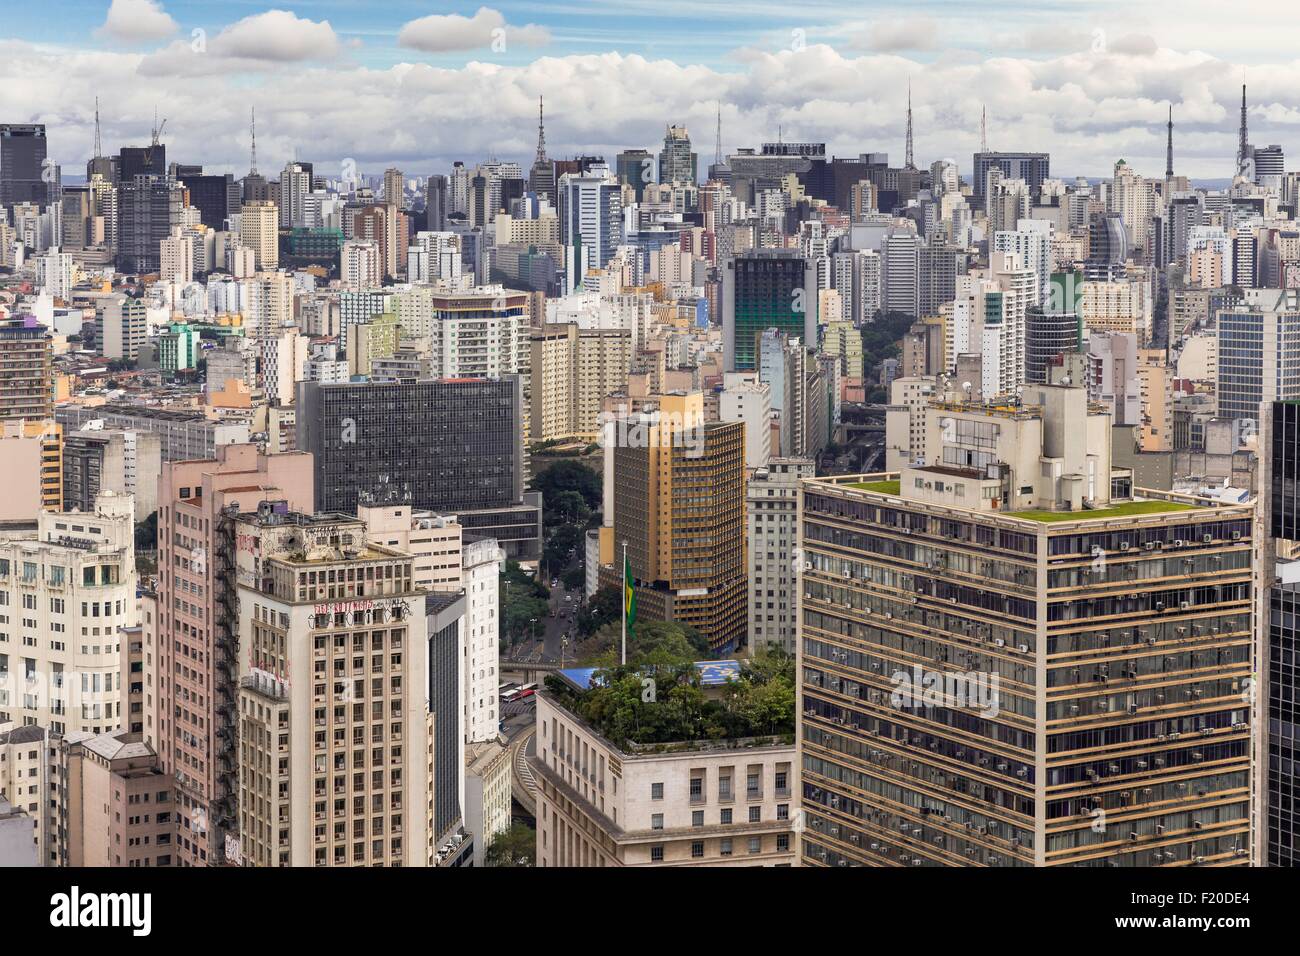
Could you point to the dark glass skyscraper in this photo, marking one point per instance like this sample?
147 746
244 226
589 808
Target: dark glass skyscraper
22 158
768 289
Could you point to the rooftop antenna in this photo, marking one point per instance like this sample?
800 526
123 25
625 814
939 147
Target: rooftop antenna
252 130
908 163
1242 146
984 129
99 146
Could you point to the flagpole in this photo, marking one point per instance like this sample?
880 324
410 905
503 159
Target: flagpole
624 657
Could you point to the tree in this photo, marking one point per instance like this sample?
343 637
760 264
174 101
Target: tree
568 475
574 578
564 538
146 533
568 507
605 606
516 846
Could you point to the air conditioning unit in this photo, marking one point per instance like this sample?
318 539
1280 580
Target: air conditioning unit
1207 539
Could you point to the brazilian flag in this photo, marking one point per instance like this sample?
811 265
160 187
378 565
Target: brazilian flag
629 594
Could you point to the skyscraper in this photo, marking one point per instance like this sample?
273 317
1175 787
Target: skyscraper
541 177
1033 168
1012 658
1259 352
22 162
677 164
148 208
26 370
761 290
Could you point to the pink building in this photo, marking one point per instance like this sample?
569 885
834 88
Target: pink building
195 672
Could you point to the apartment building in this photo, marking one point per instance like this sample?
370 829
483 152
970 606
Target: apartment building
432 540
772 517
572 370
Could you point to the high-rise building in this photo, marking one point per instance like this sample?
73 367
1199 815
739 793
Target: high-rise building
1278 580
772 516
199 644
591 221
677 164
314 598
1259 351
435 204
635 168
148 209
451 446
1054 327
217 198
26 370
677 485
1033 168
259 230
481 569
121 326
73 579
761 290
22 164
571 371
1057 672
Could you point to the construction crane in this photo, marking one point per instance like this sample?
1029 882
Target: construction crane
157 132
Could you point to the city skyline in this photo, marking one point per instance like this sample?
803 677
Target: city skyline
404 84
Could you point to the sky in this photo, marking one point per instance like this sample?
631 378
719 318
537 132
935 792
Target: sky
420 85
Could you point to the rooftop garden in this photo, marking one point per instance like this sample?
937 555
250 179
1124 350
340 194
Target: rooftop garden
676 708
1124 510
880 487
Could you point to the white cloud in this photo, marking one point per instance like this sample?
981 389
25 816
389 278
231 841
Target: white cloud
1087 109
135 21
893 36
453 32
277 35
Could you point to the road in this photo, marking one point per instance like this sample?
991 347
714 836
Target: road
546 646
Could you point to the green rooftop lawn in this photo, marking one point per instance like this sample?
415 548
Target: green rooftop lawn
880 487
1115 511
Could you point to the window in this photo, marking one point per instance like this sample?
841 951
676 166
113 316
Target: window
697 818
656 854
656 791
657 821
782 811
724 847
782 842
755 814
697 849
755 844
697 788
726 815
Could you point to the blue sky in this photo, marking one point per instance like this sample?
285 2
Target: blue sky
335 79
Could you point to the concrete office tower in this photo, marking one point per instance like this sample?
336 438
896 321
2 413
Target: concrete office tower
435 204
27 356
677 164
200 645
772 516
182 435
985 685
1260 333
488 776
259 230
481 564
747 400
73 579
900 269
636 169
121 323
1135 200
1054 327
176 258
1278 583
347 740
126 462
679 804
678 488
394 187
148 209
23 164
571 371
433 541
856 276
452 447
761 290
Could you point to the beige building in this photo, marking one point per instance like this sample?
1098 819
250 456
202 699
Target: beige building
334 759
1155 380
434 541
259 230
67 590
714 803
572 371
486 804
1121 306
117 806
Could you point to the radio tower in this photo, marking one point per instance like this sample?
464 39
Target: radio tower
252 130
909 164
1242 146
717 149
99 146
1169 146
541 134
984 129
